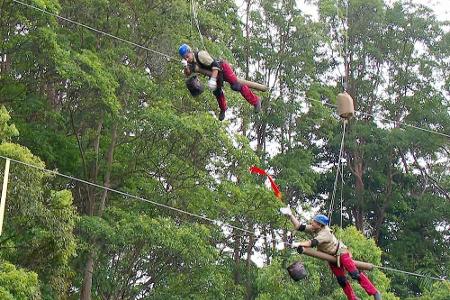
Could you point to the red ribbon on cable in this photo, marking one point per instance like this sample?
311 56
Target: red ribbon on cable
275 188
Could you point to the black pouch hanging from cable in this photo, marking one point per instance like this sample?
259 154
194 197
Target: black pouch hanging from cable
194 85
297 271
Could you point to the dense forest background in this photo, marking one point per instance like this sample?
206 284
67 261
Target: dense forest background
95 108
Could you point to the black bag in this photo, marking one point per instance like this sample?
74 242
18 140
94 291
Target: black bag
194 85
297 271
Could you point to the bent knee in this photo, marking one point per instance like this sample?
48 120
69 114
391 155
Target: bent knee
217 92
236 86
355 275
341 280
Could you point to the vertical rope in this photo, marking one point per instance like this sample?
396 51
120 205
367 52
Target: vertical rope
192 19
345 85
342 53
341 151
342 188
194 12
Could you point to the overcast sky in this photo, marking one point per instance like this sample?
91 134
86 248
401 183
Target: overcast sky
440 7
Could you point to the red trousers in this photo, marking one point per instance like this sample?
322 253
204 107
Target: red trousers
231 78
348 264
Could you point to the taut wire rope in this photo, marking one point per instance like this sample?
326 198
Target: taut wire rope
341 151
94 29
194 12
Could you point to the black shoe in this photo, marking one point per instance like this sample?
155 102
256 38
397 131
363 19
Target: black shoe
222 115
258 106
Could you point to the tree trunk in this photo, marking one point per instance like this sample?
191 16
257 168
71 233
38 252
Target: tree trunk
237 257
359 189
86 288
89 267
388 193
251 242
109 161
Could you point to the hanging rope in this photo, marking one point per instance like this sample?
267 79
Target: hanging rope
95 30
342 191
346 66
341 53
194 13
341 151
192 20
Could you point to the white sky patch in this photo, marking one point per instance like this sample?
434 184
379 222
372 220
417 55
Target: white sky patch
440 7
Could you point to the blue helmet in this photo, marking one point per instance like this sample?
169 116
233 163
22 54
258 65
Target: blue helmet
184 49
322 219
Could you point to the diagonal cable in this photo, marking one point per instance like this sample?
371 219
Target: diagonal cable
129 195
383 119
95 30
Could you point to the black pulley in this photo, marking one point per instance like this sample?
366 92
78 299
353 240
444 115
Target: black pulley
297 271
194 85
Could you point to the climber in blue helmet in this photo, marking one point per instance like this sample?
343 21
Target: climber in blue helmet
326 242
221 71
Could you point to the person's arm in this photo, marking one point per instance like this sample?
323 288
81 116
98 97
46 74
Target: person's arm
295 222
322 237
304 244
288 212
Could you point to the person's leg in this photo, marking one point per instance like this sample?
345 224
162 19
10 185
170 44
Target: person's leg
348 263
231 78
221 100
343 282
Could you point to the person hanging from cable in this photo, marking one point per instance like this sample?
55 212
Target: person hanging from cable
220 71
324 240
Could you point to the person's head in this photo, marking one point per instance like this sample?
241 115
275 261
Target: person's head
185 52
320 221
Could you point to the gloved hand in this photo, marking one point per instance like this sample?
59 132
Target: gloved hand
184 63
286 210
212 83
295 244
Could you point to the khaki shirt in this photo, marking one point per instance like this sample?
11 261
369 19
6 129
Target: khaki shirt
206 59
328 243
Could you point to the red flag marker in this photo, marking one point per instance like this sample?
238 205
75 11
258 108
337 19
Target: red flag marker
275 188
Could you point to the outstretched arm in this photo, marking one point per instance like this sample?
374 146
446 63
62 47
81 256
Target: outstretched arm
288 212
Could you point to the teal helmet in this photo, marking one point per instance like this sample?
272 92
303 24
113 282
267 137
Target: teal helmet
184 49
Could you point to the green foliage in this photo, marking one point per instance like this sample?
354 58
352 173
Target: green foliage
39 222
114 114
6 131
439 291
17 283
169 261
